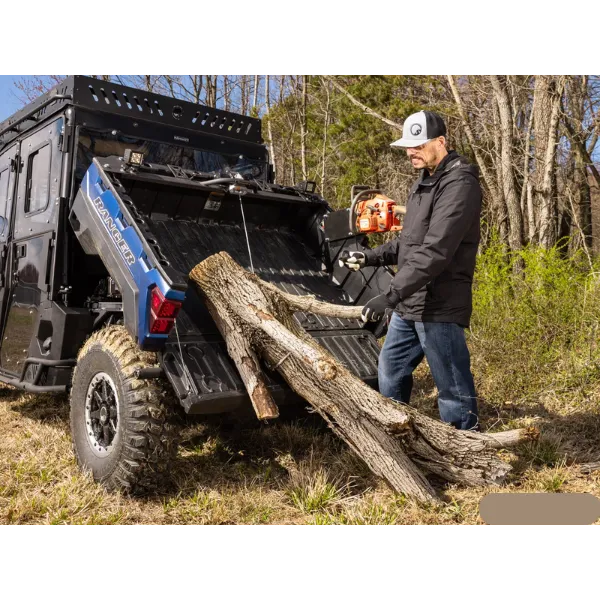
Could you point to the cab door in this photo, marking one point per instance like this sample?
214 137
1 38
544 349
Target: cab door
9 171
31 245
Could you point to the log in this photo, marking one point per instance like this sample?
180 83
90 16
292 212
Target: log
248 365
589 468
397 442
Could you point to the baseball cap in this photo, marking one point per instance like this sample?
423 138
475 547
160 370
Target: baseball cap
419 128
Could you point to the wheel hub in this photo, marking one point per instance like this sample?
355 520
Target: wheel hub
102 414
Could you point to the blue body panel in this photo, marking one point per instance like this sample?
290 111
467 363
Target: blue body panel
130 248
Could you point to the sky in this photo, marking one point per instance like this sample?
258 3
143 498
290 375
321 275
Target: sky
9 103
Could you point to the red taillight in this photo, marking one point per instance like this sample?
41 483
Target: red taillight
161 307
163 312
161 325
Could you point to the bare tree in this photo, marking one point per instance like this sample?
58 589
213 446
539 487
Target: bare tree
244 94
269 125
546 104
497 198
574 169
226 92
211 91
303 128
255 95
325 130
515 232
31 87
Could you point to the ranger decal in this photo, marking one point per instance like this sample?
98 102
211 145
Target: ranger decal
111 226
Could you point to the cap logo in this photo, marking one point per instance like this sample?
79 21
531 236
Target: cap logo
416 129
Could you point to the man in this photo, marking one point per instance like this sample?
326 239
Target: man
431 294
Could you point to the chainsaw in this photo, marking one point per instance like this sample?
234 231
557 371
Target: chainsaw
371 211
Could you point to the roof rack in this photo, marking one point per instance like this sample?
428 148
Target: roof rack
102 96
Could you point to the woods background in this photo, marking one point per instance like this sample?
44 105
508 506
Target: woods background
533 138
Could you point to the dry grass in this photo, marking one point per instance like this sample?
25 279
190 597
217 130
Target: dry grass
293 471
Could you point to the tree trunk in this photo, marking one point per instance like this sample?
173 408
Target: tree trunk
325 131
501 210
270 128
303 130
197 87
515 219
576 132
255 95
546 105
396 441
244 94
595 210
526 196
226 92
211 91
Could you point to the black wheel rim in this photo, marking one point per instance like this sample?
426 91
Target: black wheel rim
102 414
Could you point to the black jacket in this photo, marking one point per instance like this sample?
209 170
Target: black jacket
436 249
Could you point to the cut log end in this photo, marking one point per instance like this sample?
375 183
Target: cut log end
263 403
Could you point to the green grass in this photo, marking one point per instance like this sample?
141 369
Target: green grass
535 358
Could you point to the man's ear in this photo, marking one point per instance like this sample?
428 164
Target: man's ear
442 140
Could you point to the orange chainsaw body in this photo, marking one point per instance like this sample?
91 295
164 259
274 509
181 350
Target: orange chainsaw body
378 215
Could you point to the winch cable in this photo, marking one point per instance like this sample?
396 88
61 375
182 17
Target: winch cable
246 232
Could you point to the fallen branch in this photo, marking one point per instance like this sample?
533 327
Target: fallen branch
588 468
397 442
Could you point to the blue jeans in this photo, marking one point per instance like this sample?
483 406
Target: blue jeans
446 350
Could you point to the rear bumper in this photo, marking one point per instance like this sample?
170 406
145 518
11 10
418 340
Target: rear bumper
207 382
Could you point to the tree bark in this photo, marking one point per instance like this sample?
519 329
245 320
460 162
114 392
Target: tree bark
270 129
248 365
303 131
396 441
226 92
526 197
197 86
546 106
244 94
325 131
255 94
211 91
573 113
515 219
499 204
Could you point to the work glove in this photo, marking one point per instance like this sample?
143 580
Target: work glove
352 260
374 310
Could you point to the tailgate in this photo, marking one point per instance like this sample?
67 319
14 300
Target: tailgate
195 356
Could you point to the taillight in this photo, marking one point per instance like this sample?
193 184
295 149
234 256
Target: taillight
163 312
161 325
